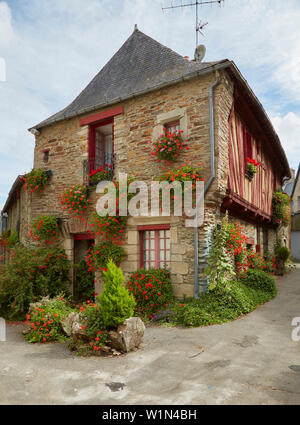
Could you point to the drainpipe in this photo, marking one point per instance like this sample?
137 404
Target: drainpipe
207 185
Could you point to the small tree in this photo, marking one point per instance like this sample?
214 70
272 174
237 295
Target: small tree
115 301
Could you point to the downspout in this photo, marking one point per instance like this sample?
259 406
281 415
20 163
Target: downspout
208 184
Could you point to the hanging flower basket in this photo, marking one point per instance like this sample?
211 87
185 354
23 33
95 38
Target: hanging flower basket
168 146
252 168
75 200
36 180
46 229
100 174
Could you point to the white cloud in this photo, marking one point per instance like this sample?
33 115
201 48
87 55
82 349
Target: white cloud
6 29
288 129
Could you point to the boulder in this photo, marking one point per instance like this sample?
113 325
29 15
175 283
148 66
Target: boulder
72 325
128 336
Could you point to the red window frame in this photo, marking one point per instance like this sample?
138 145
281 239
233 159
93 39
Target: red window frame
157 249
92 136
170 125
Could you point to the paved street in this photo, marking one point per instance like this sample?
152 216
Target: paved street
252 360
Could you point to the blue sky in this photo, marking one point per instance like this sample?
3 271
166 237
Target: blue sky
53 48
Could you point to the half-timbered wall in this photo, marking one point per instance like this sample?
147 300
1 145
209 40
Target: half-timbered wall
258 191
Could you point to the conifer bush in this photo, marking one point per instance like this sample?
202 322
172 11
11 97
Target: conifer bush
116 303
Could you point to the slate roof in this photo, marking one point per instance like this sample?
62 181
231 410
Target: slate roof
141 64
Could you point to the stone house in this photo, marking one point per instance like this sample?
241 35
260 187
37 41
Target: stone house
143 89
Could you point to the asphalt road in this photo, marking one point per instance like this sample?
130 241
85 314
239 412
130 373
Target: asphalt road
252 360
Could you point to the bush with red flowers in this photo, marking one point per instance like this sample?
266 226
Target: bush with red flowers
30 274
168 146
95 333
111 228
99 255
252 167
9 239
75 200
44 319
46 229
36 180
152 290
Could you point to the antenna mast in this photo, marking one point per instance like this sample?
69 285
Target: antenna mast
199 24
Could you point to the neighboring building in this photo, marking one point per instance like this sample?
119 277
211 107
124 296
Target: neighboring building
293 189
142 89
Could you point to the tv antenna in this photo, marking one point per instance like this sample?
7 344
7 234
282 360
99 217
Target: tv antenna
199 24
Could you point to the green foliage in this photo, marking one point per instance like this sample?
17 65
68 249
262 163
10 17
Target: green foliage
44 319
30 274
152 290
45 228
281 213
220 267
99 255
258 279
116 303
84 282
216 306
282 253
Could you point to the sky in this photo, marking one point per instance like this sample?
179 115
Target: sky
51 49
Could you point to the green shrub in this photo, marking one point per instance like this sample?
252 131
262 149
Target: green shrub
99 255
116 303
152 290
84 288
45 319
282 253
258 279
215 306
29 275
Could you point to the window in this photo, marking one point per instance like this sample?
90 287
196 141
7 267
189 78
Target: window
173 126
101 146
46 155
155 246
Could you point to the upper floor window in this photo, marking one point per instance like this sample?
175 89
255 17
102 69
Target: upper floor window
101 146
172 127
155 246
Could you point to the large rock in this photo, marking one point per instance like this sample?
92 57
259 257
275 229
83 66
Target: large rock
72 325
128 336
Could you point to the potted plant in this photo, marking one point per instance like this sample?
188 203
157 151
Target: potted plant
282 255
252 168
168 146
